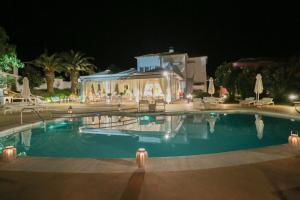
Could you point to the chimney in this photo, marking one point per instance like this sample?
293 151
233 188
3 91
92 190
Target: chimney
171 50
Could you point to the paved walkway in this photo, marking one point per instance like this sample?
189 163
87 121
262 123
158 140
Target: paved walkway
276 178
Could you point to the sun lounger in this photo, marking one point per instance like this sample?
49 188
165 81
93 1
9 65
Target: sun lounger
247 101
265 101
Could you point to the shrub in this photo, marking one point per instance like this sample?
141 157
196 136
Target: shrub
57 92
200 94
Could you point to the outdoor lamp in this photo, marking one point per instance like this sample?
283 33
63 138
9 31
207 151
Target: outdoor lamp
141 157
70 111
294 138
9 153
293 97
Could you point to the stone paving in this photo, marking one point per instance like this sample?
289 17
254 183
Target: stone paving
273 174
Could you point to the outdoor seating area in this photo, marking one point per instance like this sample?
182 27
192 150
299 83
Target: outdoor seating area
151 105
261 102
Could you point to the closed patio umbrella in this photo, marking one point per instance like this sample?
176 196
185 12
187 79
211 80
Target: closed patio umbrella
25 93
259 126
211 121
258 89
211 87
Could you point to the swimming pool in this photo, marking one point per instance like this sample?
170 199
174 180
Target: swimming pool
173 135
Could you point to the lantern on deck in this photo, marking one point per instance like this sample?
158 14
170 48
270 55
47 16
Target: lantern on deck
294 139
9 153
141 157
70 110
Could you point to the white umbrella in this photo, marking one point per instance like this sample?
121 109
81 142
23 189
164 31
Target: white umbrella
26 138
259 126
211 121
211 87
25 93
258 89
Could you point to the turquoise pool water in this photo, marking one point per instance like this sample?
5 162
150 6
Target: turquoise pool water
176 135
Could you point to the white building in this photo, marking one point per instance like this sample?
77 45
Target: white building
192 69
162 75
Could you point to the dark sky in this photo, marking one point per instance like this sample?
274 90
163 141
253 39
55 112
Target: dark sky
114 33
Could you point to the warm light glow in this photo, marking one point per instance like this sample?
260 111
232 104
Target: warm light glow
70 111
293 97
189 96
167 136
165 73
294 139
9 153
141 157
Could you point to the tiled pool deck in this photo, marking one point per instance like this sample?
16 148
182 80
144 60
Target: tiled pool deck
264 173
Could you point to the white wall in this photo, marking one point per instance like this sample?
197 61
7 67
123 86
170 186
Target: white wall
196 70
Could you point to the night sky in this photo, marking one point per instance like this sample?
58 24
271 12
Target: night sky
114 33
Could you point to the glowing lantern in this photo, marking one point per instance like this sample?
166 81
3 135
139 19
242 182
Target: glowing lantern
9 153
294 139
141 157
70 111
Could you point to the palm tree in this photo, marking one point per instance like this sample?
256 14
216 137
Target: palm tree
50 65
74 63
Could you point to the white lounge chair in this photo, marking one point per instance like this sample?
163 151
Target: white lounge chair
247 101
265 101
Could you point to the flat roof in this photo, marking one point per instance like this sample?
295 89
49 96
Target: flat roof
161 54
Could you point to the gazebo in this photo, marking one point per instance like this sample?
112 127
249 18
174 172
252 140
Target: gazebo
131 86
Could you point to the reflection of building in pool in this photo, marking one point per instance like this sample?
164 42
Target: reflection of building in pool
161 75
151 129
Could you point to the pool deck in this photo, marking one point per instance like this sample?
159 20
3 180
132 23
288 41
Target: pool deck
264 173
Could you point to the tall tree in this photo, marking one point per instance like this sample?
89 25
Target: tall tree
8 55
225 75
50 65
76 62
